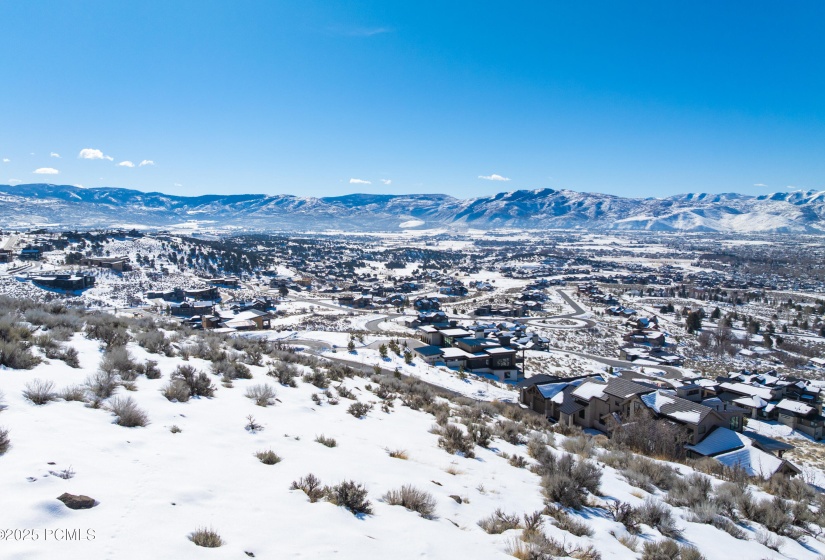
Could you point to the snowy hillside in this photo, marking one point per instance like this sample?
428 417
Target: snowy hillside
68 206
194 465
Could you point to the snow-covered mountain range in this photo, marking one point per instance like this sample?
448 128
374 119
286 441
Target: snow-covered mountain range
70 206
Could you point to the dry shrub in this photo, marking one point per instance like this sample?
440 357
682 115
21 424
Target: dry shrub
350 495
263 394
198 382
268 457
205 537
5 441
40 392
498 522
412 499
326 441
359 409
127 412
310 485
454 440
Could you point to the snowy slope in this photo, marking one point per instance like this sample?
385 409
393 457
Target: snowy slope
154 487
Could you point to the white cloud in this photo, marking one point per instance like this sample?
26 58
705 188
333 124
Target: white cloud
6 160
55 154
91 153
177 185
126 163
14 181
359 182
387 181
760 185
46 171
493 177
146 162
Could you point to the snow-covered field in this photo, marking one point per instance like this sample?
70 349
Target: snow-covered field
154 487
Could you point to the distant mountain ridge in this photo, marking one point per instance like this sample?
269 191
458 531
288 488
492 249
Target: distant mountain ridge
70 206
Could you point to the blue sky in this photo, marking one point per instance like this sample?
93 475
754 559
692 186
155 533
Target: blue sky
327 98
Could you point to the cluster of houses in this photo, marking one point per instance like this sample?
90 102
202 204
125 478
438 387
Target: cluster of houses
181 295
768 396
251 315
487 348
595 294
646 345
711 413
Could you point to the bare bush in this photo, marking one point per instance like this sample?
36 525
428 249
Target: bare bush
350 495
399 454
17 355
110 330
262 394
73 393
207 538
71 357
413 499
567 481
5 441
498 522
198 382
102 385
268 457
317 378
691 491
767 539
454 440
567 522
285 373
359 409
176 391
625 514
658 515
480 434
310 485
40 392
231 369
151 369
666 549
646 473
127 412
118 361
326 441
580 445
511 432
155 342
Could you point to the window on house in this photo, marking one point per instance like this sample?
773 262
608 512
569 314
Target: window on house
735 423
581 414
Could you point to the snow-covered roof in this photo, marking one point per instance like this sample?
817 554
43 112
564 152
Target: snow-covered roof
656 400
550 390
721 440
666 403
456 332
745 389
794 406
499 350
752 460
751 402
451 353
590 390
